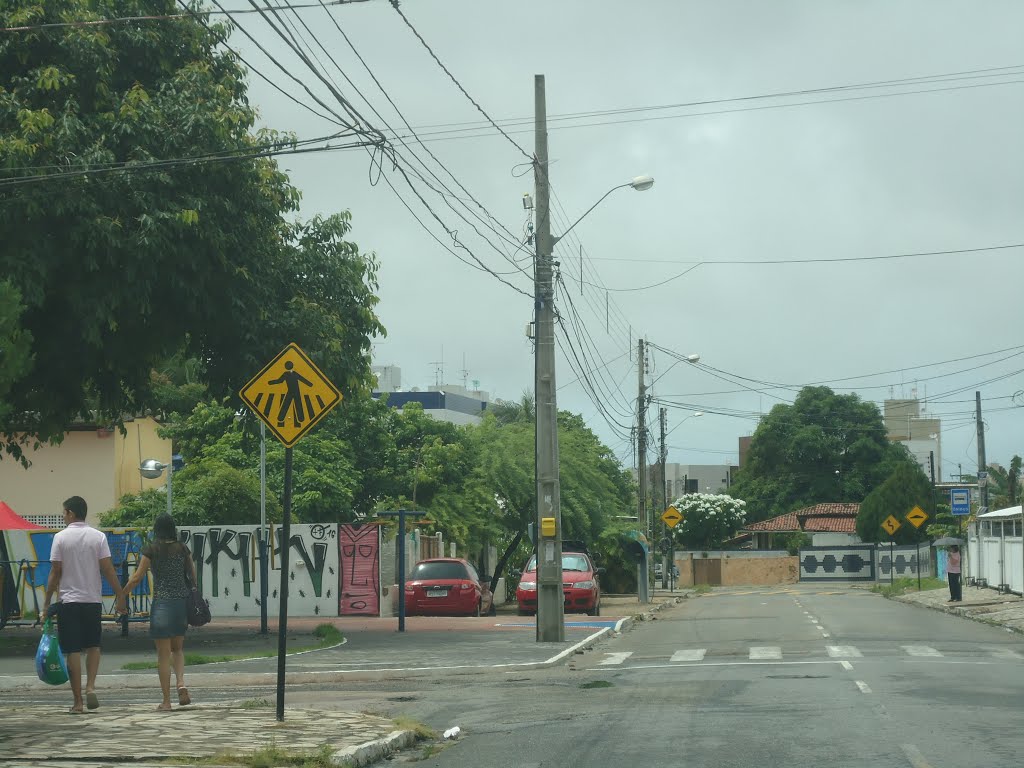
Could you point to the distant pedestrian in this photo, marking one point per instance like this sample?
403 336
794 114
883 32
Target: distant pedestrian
956 594
170 561
79 555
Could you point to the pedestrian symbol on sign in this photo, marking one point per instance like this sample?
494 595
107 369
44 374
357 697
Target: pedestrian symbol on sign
293 398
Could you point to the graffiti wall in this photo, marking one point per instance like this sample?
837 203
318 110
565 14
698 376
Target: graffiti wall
227 561
359 586
25 568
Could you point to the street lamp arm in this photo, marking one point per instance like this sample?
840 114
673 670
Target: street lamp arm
556 238
640 184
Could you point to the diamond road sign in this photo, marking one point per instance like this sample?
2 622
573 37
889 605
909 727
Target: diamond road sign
917 516
290 395
671 517
891 525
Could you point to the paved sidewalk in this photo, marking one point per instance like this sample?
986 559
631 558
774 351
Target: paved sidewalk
46 735
979 604
43 736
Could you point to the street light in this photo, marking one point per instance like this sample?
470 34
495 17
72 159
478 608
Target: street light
639 183
151 469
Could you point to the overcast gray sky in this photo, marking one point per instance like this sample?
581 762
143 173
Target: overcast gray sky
879 171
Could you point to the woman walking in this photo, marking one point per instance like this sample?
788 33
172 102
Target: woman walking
169 560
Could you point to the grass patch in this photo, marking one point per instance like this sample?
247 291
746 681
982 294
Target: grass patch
702 589
422 732
269 757
902 586
256 704
595 684
326 634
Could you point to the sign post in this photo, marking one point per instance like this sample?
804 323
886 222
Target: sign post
401 514
891 525
289 395
916 517
671 517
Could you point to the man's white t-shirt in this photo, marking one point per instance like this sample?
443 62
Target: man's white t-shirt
79 549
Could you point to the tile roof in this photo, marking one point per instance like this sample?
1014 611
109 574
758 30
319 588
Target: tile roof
833 517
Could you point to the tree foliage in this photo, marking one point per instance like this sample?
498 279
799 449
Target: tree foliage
708 519
122 264
823 448
907 487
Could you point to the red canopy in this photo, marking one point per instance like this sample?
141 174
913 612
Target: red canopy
12 521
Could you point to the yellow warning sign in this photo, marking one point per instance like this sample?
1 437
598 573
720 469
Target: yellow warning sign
891 525
290 395
671 517
917 516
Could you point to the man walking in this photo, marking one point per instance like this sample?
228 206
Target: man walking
79 555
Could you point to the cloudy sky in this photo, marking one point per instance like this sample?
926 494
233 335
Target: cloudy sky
801 150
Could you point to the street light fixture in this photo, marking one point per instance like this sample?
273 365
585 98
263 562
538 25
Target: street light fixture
639 183
151 469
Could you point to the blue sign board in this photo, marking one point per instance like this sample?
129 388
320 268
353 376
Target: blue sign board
960 500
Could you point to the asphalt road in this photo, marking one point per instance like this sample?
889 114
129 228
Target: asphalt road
796 677
769 678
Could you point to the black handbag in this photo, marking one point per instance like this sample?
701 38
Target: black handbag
197 607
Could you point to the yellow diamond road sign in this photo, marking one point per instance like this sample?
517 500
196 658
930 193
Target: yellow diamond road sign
290 395
917 516
671 517
891 525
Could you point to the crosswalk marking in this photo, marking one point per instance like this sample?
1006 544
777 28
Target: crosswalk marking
615 658
843 651
695 654
920 650
838 652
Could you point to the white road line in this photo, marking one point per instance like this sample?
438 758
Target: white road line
825 634
812 618
841 651
846 665
863 686
765 652
694 654
920 650
615 658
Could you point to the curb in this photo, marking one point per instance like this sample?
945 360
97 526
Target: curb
963 613
373 751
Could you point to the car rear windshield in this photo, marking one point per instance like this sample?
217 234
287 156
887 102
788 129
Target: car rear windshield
428 571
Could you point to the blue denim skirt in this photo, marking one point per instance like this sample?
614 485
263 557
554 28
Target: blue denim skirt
167 618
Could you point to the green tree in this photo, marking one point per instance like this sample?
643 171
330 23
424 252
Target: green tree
823 448
708 519
15 349
906 488
122 264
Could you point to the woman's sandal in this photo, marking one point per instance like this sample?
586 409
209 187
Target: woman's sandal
183 698
164 708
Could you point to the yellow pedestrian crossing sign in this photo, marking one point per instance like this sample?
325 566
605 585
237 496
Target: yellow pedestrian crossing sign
671 517
891 525
290 395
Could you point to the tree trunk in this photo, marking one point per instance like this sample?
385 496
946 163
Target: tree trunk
503 560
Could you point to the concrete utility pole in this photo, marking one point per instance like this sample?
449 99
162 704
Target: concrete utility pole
663 455
641 466
550 599
982 465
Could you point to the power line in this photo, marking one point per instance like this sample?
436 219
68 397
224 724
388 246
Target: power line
394 4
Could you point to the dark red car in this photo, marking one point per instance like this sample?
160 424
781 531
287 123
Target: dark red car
446 586
580 585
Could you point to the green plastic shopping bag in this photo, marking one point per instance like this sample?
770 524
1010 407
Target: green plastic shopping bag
50 664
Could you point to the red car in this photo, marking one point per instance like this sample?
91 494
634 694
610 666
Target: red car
446 586
580 585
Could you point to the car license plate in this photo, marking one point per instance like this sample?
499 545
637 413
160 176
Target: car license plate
437 593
